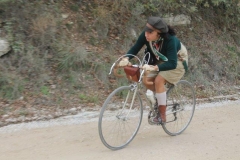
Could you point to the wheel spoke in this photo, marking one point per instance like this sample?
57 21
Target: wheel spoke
180 108
118 121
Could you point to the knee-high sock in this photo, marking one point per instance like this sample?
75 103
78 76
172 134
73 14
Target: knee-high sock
161 98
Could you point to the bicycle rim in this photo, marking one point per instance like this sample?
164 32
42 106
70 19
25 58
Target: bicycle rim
180 107
118 124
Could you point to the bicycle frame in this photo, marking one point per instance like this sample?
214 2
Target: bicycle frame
135 85
137 89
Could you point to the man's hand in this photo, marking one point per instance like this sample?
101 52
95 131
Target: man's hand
124 62
150 67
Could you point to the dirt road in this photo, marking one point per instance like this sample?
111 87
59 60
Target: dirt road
214 134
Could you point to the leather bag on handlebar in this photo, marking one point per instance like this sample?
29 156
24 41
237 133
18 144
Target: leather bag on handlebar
132 73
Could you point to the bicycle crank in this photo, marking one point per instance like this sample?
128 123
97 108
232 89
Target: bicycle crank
152 115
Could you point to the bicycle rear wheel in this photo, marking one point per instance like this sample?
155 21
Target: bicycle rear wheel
119 122
180 107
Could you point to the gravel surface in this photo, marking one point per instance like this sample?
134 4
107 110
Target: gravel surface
88 116
214 134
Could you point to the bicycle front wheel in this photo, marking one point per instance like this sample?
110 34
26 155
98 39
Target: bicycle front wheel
120 117
180 107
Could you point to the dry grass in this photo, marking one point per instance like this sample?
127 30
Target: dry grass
42 23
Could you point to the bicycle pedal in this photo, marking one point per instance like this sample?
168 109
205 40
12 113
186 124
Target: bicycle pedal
155 123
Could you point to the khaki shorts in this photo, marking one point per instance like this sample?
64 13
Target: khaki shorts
172 76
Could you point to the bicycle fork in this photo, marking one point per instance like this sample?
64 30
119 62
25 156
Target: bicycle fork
134 89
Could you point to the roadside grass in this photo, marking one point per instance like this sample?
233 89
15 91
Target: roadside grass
45 52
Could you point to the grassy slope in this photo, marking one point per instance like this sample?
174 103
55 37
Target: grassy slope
62 52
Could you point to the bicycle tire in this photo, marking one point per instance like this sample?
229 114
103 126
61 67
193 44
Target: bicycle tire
180 107
117 128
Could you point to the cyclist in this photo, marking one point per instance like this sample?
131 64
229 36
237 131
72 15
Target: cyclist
167 63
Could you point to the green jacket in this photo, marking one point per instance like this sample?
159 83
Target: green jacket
170 47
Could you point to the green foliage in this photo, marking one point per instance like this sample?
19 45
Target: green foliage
44 90
138 9
70 78
23 112
5 1
192 9
72 58
88 98
152 6
15 40
11 86
74 7
225 8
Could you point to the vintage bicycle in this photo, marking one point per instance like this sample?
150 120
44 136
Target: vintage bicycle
121 114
